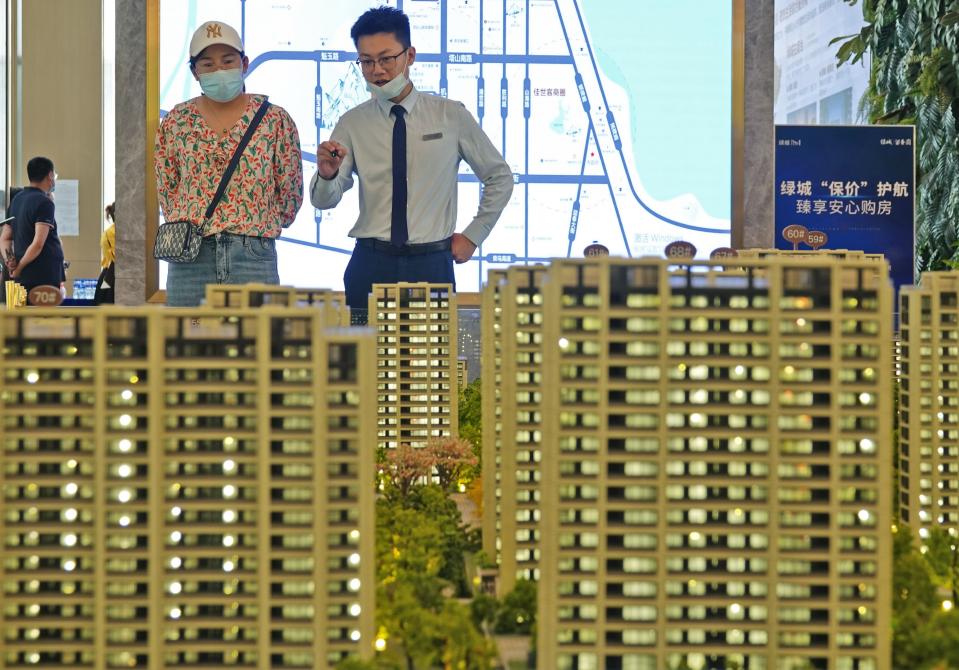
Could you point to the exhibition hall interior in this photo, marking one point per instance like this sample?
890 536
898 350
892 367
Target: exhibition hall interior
479 334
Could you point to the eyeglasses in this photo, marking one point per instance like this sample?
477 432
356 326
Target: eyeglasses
385 62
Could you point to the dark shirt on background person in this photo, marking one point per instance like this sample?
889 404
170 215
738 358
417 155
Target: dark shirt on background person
31 207
13 192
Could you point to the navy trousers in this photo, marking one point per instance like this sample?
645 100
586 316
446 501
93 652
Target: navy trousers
370 266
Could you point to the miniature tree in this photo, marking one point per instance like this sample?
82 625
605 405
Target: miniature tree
453 461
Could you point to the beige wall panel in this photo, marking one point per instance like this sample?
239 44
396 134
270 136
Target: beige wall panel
61 111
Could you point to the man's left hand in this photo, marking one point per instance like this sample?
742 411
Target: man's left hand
462 248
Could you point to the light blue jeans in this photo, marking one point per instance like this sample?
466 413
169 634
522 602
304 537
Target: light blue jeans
224 258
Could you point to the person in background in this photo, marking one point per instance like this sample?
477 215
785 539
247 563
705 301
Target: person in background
194 145
6 238
405 146
37 252
6 249
104 294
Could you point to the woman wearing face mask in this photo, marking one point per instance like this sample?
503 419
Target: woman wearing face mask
194 145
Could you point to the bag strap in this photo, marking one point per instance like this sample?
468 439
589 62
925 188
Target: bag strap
260 113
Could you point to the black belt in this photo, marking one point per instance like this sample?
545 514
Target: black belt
407 249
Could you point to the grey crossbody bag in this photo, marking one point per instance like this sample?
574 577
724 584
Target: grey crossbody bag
179 241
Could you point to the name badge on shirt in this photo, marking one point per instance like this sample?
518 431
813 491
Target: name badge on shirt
432 136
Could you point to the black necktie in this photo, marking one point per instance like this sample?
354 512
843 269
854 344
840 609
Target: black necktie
398 233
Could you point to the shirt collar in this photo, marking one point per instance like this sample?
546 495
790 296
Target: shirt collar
408 102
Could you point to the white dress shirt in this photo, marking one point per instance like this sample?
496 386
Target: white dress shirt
439 133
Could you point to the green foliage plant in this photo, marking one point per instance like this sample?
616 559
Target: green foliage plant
517 612
912 47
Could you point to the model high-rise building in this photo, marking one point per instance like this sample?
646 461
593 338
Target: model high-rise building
714 463
220 296
521 391
416 356
929 403
185 488
491 395
469 325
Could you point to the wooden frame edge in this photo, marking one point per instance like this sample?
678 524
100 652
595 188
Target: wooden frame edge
152 275
737 212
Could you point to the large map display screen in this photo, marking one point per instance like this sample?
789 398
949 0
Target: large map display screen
614 115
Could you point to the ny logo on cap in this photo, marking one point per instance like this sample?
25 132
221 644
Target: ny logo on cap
213 30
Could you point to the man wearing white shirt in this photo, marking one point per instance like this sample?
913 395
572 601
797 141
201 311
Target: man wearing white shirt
405 146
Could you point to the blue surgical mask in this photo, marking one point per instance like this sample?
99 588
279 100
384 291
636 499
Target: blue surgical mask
222 85
390 89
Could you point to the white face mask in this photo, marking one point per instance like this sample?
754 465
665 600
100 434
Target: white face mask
390 89
222 85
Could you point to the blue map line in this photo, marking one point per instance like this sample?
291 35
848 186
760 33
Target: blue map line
469 58
450 57
574 214
527 101
511 259
480 113
317 56
504 113
444 82
504 86
471 178
243 21
617 142
318 125
592 129
546 179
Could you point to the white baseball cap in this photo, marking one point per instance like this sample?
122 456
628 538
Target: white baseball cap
214 32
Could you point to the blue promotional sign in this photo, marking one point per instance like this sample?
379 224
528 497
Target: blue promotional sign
848 187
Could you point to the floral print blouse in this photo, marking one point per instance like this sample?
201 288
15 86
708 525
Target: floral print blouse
266 190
